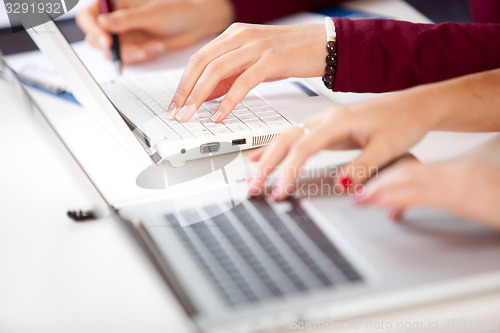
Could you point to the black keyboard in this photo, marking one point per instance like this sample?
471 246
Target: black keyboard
251 253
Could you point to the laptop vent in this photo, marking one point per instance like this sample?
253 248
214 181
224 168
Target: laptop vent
264 139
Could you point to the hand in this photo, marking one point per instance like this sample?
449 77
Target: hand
384 128
149 27
469 188
241 58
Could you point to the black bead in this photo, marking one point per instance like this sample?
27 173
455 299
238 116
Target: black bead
329 85
331 47
331 60
329 78
331 70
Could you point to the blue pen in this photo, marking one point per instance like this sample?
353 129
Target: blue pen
47 87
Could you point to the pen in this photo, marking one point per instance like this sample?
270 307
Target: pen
106 8
47 87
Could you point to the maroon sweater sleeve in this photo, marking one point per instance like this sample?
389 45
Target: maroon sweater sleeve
386 55
259 11
485 11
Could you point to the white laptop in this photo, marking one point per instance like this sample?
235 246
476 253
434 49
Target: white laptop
142 100
246 264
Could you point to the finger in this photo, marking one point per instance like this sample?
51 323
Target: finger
241 87
94 35
86 19
300 151
216 71
374 156
195 67
136 53
271 157
394 178
255 156
98 39
126 19
402 186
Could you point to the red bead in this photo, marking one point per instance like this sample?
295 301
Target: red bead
328 85
331 60
331 47
346 182
329 78
330 70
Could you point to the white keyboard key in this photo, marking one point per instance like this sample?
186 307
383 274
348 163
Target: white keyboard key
237 127
217 128
256 125
231 121
239 113
203 114
205 120
261 109
211 106
240 107
268 120
193 125
279 123
200 132
220 130
253 101
269 113
247 117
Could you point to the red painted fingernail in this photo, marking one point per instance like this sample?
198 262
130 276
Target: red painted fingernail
276 193
395 215
346 182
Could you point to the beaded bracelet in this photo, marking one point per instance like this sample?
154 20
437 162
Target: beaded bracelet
331 58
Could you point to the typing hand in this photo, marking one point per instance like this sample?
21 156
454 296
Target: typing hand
470 188
241 58
149 27
384 128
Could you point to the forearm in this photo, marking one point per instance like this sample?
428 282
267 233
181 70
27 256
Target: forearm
386 55
470 103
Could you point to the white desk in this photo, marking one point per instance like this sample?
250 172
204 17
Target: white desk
60 276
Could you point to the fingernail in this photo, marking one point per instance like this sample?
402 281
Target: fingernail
216 116
171 111
186 112
250 184
103 41
358 199
346 182
395 215
276 194
155 48
137 55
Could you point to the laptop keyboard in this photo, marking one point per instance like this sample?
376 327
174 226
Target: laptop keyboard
155 90
252 254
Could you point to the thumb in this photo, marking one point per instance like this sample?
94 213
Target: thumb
124 20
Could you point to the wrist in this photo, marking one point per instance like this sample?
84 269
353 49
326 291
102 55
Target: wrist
320 52
427 107
217 15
